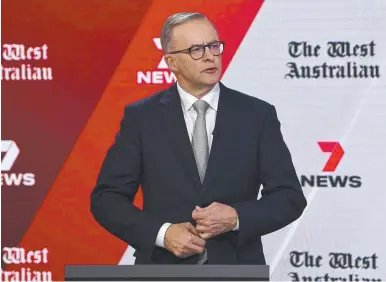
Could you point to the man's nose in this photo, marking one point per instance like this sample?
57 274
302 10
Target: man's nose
208 54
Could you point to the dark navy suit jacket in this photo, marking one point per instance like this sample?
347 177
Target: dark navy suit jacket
152 149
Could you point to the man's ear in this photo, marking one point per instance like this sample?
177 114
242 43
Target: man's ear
171 62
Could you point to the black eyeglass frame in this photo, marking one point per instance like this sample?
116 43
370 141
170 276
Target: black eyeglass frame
189 50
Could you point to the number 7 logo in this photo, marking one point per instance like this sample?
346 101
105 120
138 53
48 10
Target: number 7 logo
11 151
336 151
162 64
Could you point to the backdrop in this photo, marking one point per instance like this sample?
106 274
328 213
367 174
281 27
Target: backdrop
69 67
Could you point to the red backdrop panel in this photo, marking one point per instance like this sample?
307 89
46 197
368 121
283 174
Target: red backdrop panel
65 126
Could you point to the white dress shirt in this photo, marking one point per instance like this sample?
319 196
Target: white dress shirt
190 115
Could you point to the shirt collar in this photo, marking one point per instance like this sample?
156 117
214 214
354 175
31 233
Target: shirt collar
187 100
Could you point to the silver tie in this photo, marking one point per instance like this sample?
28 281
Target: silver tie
201 148
200 138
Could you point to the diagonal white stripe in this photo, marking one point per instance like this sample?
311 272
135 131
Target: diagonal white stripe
312 194
127 257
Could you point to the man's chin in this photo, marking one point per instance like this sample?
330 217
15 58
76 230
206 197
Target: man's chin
210 82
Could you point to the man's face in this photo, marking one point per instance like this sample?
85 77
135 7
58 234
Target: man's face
199 73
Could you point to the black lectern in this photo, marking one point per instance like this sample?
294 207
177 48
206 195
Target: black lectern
166 273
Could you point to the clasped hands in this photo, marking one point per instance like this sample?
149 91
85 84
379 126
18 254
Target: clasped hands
184 239
214 220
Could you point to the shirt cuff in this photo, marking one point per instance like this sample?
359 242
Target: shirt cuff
237 225
161 235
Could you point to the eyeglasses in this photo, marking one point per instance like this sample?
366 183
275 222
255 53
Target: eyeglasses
198 51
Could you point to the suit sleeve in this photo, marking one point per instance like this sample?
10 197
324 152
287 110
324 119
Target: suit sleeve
117 184
282 200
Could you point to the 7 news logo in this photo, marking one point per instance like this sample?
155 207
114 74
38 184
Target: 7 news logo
331 180
159 76
12 152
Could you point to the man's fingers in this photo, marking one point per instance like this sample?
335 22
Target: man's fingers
198 241
196 249
203 214
204 222
197 215
192 229
202 228
205 236
194 214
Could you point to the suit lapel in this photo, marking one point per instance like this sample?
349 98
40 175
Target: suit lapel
221 138
176 130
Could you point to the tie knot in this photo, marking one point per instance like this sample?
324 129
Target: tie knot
201 107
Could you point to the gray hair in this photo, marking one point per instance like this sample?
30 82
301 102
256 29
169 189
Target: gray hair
175 20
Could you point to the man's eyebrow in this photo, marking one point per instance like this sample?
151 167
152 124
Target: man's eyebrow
211 42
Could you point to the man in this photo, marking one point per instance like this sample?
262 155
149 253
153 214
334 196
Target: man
200 152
